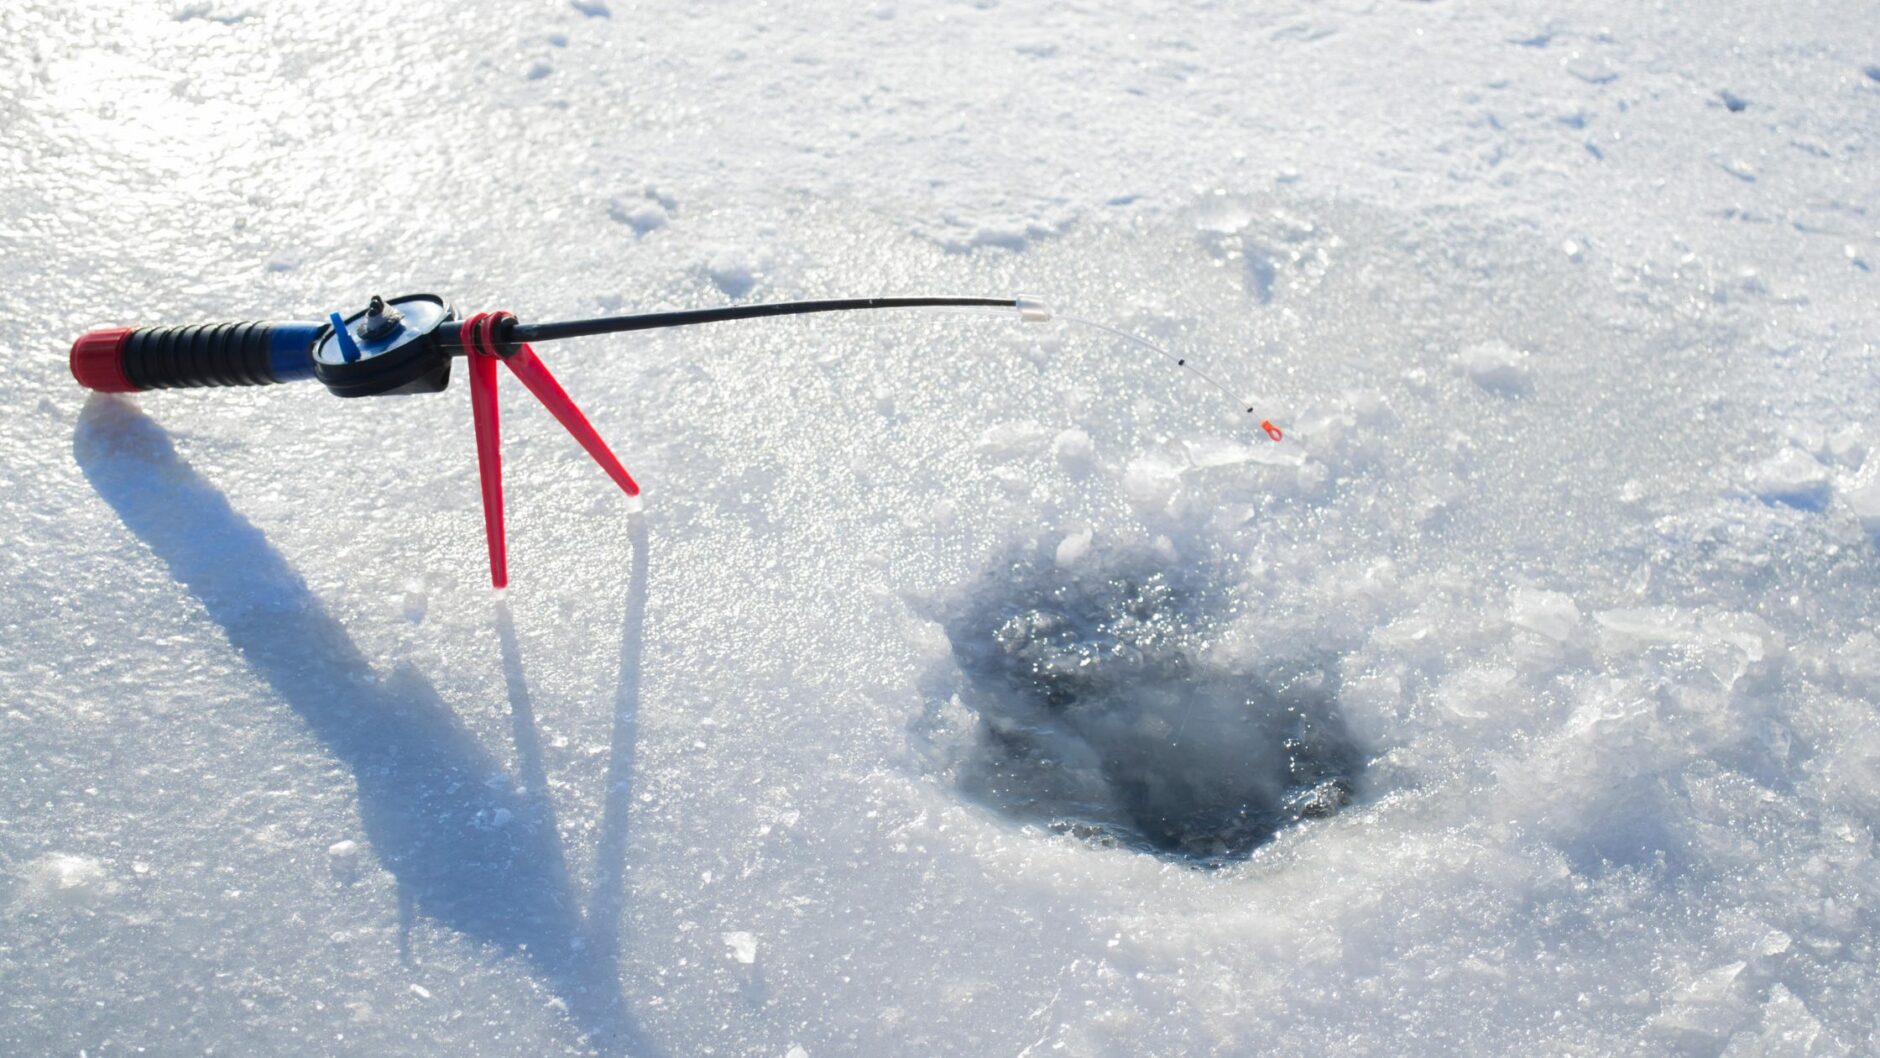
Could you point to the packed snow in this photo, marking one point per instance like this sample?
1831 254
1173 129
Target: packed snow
966 686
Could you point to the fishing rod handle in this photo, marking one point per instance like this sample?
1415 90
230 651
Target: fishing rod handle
132 359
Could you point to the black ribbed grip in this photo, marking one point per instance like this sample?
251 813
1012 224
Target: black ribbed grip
200 354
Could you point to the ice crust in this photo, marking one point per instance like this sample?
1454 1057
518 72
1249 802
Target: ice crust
1574 530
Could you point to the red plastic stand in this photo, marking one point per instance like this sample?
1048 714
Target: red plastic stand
479 337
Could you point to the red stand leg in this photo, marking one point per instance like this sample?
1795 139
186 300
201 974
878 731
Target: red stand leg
535 375
479 339
489 461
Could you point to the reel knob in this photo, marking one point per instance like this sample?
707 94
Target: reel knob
388 347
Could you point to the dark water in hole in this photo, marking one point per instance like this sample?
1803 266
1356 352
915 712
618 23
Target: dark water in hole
1102 712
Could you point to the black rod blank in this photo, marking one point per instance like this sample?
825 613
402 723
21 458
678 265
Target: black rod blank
449 335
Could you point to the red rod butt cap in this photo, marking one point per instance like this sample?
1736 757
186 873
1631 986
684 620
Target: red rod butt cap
98 360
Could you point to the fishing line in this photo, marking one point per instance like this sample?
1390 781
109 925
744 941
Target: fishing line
1179 361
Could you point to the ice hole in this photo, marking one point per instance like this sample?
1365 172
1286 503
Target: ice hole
1108 706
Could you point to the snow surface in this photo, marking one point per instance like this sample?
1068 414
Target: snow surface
1568 313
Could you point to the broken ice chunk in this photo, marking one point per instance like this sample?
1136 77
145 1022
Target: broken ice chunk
1549 613
1149 481
732 271
1074 450
743 946
1215 451
1073 547
1708 1008
64 879
344 857
1013 440
1865 500
1792 477
1497 367
643 217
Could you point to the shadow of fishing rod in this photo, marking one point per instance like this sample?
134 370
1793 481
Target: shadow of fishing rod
470 849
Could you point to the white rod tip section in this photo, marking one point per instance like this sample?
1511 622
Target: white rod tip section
1032 308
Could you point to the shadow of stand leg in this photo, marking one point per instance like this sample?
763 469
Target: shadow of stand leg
533 792
468 850
607 902
588 972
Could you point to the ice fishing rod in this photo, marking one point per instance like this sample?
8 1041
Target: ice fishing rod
406 345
